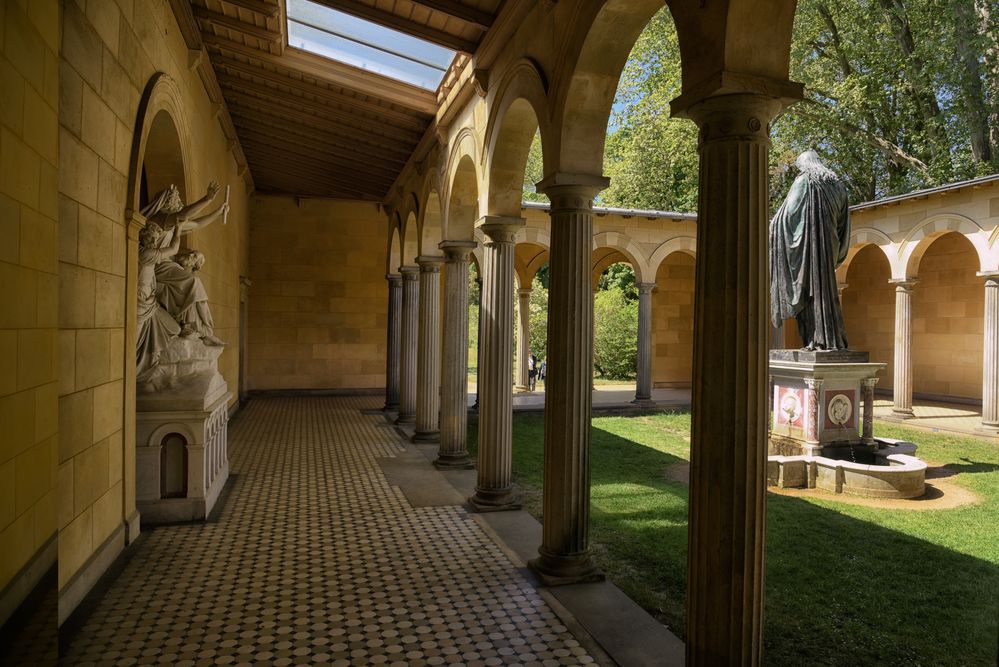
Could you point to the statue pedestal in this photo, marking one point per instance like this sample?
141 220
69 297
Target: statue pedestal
182 415
821 398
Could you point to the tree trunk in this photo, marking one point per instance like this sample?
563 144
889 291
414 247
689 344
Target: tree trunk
968 58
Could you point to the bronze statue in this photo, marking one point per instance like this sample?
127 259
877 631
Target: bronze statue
809 238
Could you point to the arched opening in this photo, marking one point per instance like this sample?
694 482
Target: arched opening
615 317
673 322
411 241
163 161
463 202
431 231
947 321
869 309
517 133
394 253
173 466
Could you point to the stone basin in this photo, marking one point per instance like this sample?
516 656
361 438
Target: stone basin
887 471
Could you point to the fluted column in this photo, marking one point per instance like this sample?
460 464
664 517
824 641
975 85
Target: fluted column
564 555
494 488
867 387
990 360
392 353
428 364
643 381
902 389
453 450
729 419
478 338
523 337
409 339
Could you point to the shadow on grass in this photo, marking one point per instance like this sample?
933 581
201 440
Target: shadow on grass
840 590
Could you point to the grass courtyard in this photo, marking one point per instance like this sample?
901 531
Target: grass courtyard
845 584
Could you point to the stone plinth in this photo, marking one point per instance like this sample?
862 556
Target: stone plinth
817 399
182 415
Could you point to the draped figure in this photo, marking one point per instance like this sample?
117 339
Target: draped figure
809 239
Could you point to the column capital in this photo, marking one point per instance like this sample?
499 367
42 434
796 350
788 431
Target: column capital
457 250
869 382
645 288
393 277
501 228
572 191
734 117
430 263
991 277
904 284
409 272
813 383
524 292
731 84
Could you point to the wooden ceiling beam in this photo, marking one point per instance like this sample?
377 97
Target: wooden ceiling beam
396 22
265 9
465 13
289 167
344 174
292 132
326 136
368 169
276 105
232 23
389 114
336 73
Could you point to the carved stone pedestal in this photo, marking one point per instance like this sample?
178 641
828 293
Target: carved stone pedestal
182 415
817 399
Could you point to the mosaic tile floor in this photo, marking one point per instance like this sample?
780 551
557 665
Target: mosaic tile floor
315 558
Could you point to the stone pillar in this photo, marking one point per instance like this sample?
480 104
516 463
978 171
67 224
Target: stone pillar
494 487
643 381
867 431
392 353
564 555
523 337
990 359
428 365
408 342
813 390
902 390
478 346
728 461
453 450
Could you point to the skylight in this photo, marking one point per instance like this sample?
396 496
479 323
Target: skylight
338 36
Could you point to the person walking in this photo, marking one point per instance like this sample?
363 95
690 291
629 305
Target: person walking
532 372
543 369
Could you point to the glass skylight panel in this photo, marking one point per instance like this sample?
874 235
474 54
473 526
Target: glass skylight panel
348 39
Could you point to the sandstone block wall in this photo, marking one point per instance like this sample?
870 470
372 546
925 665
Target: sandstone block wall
673 322
109 52
319 299
29 282
869 310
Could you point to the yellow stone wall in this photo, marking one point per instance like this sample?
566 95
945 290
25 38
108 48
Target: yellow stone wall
109 52
869 310
319 299
29 281
948 306
673 322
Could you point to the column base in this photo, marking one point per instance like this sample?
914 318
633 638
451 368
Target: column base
405 419
644 402
901 414
391 407
991 430
487 500
564 570
454 462
427 436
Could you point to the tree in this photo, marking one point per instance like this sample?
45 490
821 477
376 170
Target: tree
539 320
615 335
619 276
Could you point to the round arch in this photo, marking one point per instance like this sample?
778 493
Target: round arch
410 240
623 244
860 239
393 255
920 238
528 259
520 111
463 202
160 144
684 244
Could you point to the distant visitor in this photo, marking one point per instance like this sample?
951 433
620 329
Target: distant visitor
809 238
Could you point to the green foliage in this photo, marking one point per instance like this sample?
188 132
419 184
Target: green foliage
619 276
615 334
899 95
539 320
534 171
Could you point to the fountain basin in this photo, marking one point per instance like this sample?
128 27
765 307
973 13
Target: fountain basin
888 470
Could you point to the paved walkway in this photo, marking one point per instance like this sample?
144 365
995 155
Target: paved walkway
317 558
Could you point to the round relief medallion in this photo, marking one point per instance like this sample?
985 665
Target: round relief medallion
790 407
840 409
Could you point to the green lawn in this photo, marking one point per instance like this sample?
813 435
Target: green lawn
846 585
